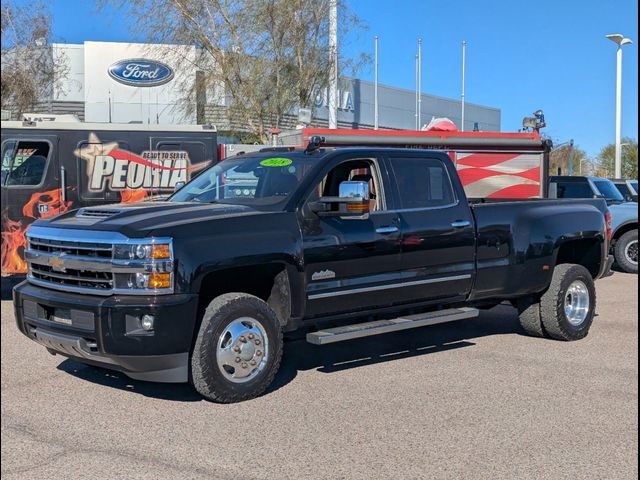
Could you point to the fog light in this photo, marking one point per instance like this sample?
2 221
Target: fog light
139 280
146 322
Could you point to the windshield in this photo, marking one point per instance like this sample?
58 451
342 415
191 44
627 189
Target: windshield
635 186
608 190
256 181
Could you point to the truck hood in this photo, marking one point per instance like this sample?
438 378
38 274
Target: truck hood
139 219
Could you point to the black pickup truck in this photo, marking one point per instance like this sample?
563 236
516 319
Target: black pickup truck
343 243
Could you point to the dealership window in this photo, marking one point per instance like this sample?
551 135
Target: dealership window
24 162
422 183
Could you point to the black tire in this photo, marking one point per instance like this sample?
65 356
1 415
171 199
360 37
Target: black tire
552 304
206 376
530 316
620 251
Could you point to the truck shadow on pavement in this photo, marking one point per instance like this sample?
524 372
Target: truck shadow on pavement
301 356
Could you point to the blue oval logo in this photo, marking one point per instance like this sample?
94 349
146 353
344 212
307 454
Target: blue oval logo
140 72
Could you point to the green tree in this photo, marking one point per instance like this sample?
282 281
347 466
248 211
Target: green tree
560 156
30 70
268 57
606 159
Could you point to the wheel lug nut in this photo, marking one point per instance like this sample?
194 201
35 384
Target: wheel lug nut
244 365
237 359
242 339
251 336
257 341
252 362
236 349
259 352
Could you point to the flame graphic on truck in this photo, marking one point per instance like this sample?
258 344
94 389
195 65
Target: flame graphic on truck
40 205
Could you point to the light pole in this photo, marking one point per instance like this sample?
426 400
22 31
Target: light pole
619 40
464 51
333 54
375 83
419 83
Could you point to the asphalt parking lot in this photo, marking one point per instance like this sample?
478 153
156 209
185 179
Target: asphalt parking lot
472 399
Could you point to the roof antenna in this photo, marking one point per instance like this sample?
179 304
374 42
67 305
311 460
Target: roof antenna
314 144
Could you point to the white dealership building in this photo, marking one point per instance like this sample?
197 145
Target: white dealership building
130 82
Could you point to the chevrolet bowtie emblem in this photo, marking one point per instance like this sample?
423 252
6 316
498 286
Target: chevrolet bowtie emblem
57 263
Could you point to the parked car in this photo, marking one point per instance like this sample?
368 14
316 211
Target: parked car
628 188
624 215
202 286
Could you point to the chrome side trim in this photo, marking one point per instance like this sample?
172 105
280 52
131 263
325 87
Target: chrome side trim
390 286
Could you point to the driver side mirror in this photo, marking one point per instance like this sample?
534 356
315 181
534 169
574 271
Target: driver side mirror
352 202
178 186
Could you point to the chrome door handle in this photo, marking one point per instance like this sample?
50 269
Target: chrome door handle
385 230
63 183
461 223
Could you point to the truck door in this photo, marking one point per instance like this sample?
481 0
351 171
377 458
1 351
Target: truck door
30 190
350 262
438 239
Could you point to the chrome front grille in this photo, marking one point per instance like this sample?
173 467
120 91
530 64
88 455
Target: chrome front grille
81 249
66 263
98 262
72 277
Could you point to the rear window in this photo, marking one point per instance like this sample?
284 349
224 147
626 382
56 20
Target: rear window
24 162
574 190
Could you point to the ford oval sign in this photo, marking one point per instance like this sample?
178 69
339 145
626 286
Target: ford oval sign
139 72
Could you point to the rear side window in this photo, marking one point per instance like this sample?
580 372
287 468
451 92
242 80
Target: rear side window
574 190
622 188
422 182
608 190
24 162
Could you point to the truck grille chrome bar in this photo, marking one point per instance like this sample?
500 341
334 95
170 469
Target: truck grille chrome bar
93 263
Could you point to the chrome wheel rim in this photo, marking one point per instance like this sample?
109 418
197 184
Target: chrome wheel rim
243 350
631 252
576 303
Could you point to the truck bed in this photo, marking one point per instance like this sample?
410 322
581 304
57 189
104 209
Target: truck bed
515 245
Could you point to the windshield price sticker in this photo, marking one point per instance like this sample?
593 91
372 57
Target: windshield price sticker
276 162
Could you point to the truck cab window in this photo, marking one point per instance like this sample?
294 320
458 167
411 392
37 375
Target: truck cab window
422 183
355 171
25 164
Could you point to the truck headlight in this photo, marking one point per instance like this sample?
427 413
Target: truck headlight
145 281
148 265
142 251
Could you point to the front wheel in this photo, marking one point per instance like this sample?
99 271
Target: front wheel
567 308
626 251
238 349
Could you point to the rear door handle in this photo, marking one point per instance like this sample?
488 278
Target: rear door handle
386 230
461 223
